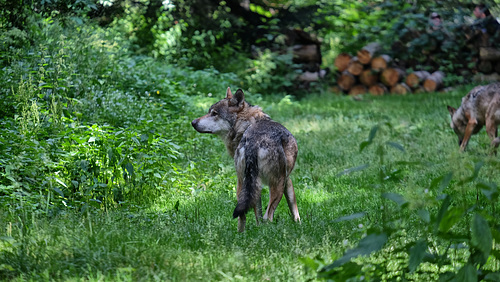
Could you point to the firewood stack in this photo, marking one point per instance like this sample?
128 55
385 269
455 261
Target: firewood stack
369 71
483 40
306 52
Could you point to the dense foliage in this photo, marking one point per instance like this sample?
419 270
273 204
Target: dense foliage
101 174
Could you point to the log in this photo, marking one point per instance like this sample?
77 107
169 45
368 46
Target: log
489 54
380 63
368 52
355 67
306 54
368 78
358 90
342 61
391 76
485 67
434 82
415 79
378 89
346 81
400 89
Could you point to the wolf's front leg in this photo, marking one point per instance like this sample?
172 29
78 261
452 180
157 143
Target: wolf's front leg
468 133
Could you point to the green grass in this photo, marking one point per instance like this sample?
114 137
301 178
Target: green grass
190 235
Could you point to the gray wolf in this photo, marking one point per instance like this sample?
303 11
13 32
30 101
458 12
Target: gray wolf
480 107
264 153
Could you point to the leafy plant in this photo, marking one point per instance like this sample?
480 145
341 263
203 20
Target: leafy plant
442 237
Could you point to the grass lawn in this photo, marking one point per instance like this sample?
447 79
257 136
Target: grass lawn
190 235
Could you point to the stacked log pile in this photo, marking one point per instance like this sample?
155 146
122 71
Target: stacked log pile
371 72
483 41
306 52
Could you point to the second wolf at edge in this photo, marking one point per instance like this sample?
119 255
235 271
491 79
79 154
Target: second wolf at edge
264 152
480 107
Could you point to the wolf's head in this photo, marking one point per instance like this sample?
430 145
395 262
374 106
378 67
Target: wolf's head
222 115
458 123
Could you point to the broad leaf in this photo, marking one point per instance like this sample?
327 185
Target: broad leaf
467 273
481 235
489 190
396 145
396 198
450 218
417 254
424 215
441 213
441 182
366 246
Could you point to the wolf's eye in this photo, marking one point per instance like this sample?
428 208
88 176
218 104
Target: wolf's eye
214 113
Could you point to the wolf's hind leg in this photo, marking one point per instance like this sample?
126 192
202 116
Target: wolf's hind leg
291 200
242 219
276 188
492 131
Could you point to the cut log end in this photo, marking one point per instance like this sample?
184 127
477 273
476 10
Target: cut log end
342 61
346 81
378 89
358 90
391 76
434 82
415 79
400 89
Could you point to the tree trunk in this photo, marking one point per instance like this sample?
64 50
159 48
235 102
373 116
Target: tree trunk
497 67
434 82
400 89
380 63
342 61
346 81
358 90
355 67
368 78
368 52
391 76
414 79
378 89
489 54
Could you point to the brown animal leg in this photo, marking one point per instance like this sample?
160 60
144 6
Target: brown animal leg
291 200
468 133
275 194
241 219
491 130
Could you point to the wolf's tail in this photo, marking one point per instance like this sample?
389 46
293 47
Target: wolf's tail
250 191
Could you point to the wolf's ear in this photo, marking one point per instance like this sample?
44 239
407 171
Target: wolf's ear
229 95
451 110
238 98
